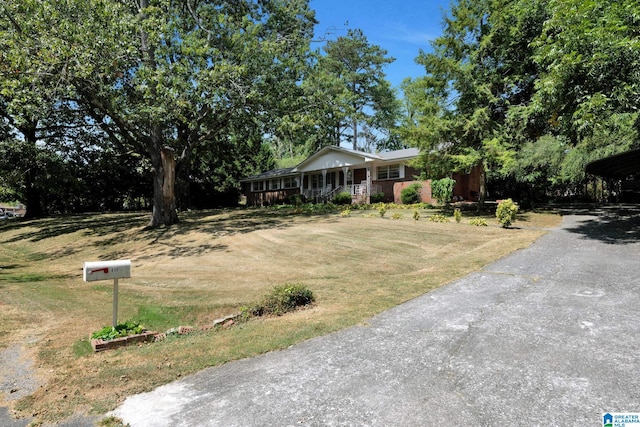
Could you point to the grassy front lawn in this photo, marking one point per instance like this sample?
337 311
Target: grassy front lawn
206 267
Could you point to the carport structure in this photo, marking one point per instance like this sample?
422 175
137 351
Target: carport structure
621 173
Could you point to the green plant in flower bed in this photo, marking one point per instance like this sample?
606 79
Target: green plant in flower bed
343 198
411 194
125 329
396 215
377 198
457 214
438 218
478 222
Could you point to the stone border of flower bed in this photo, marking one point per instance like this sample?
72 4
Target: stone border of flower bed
147 336
101 345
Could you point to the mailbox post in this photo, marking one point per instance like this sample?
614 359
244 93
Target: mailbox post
106 270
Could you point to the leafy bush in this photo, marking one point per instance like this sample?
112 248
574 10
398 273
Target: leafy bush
382 209
125 329
457 214
506 212
438 218
411 194
284 299
296 199
346 212
377 198
343 198
442 189
416 214
396 216
478 222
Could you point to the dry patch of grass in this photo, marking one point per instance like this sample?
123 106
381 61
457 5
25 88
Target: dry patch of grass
208 266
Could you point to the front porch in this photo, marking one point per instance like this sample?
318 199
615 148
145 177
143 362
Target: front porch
360 193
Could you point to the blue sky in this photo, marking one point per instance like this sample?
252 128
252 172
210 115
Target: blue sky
401 27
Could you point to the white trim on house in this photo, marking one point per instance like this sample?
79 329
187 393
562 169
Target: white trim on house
341 157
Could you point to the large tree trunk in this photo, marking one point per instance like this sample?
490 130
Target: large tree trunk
164 197
483 187
33 198
32 193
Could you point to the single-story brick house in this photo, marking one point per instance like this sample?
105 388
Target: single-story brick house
333 170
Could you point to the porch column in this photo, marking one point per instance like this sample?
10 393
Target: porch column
301 183
368 184
324 181
345 171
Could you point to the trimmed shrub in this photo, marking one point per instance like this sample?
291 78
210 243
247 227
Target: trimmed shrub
438 218
478 222
284 299
506 212
377 198
457 214
442 189
411 194
343 198
296 199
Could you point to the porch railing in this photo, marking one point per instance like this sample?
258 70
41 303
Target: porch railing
359 192
364 189
320 195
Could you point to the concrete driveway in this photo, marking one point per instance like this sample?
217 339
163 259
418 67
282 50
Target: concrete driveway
547 336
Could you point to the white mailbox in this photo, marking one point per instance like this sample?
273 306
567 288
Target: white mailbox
105 270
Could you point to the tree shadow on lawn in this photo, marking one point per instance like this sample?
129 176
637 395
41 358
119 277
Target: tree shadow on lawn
609 224
95 224
217 223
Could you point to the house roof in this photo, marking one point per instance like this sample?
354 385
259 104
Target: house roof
274 173
619 166
407 153
345 156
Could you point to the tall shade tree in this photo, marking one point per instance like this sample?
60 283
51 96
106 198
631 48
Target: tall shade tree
482 65
361 99
164 78
33 91
589 56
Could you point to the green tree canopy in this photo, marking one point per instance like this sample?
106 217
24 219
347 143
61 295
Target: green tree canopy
511 82
357 102
164 79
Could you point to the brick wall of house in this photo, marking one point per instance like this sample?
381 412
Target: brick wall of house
425 191
468 185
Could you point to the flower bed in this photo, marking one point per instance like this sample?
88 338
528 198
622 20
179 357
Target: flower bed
101 345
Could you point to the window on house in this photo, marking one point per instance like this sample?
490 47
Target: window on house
388 172
274 184
316 181
290 182
258 186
